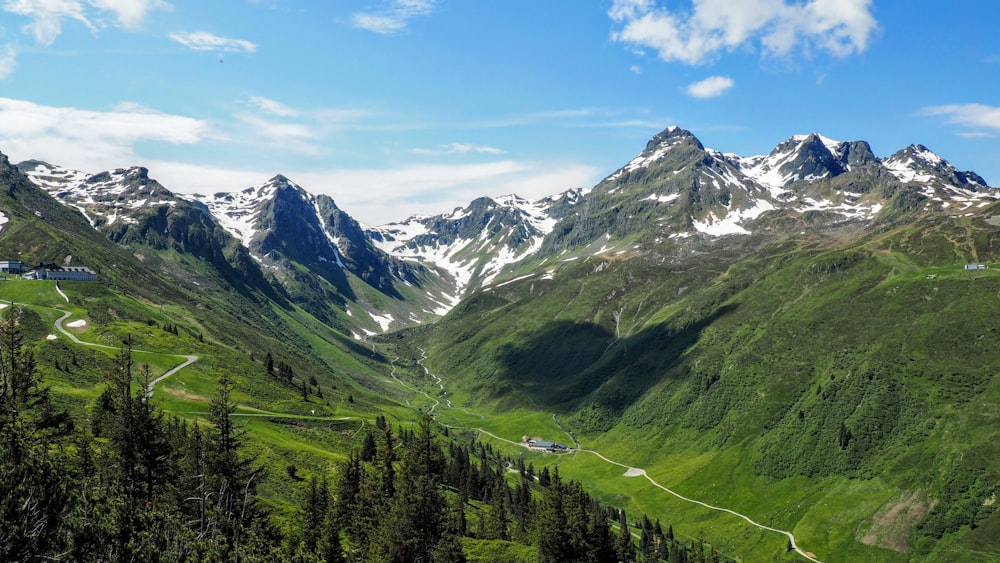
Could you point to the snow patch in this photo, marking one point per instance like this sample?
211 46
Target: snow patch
77 323
662 198
730 223
383 321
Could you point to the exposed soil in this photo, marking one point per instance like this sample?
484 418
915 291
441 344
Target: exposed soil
892 523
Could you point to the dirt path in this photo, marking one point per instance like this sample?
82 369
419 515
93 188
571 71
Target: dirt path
630 471
639 472
188 360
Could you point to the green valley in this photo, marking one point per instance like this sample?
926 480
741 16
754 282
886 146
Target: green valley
686 363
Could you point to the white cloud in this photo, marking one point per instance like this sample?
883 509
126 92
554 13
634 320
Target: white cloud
88 139
272 107
710 87
204 41
285 136
130 13
970 115
394 16
840 27
46 16
459 148
287 129
8 60
379 196
636 69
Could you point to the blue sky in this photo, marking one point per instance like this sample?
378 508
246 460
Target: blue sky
395 107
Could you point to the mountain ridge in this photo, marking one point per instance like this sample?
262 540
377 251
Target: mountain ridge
678 189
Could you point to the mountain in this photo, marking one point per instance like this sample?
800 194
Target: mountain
799 323
137 212
472 245
274 240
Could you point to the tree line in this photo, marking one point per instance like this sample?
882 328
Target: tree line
133 484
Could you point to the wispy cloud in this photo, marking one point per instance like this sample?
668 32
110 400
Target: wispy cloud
264 122
393 16
46 16
89 139
458 148
979 116
711 87
205 41
777 27
130 13
272 107
379 195
8 60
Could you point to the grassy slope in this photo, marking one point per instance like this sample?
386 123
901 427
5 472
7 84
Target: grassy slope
710 374
283 429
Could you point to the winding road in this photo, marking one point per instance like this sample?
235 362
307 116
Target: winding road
188 360
630 471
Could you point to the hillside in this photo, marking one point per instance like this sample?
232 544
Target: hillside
790 336
750 332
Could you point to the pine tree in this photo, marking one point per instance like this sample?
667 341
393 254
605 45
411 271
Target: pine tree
35 496
21 395
234 480
550 525
448 550
368 447
624 548
416 521
494 523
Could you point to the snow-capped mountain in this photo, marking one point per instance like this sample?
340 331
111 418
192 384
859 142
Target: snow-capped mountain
678 189
917 164
673 190
104 198
472 245
806 158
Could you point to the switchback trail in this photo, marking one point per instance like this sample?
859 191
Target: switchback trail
188 360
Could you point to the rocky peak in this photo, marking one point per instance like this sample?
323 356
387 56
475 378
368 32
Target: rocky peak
671 137
857 153
917 163
673 147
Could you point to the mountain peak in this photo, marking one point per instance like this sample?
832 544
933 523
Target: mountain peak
671 141
672 136
917 163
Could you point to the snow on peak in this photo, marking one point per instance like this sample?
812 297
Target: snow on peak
777 169
835 147
917 163
99 196
238 212
657 148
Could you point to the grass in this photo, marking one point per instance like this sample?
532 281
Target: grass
890 338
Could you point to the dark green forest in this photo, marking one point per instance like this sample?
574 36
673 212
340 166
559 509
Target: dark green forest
134 484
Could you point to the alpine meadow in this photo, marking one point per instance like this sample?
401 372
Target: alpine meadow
220 340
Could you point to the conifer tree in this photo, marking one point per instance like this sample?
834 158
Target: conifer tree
624 548
368 447
550 525
233 479
417 517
